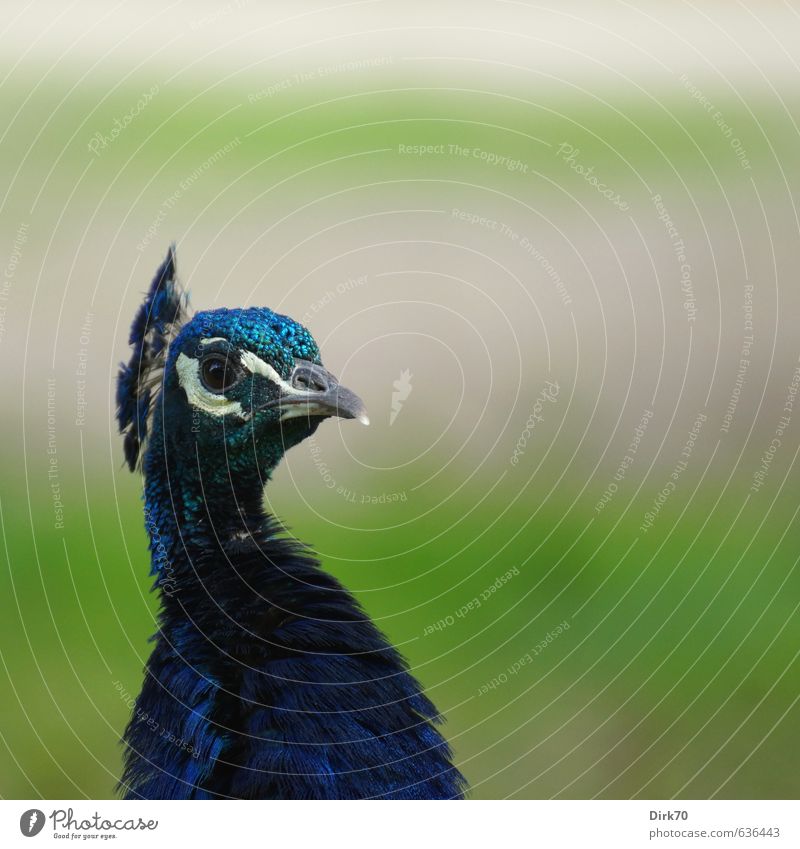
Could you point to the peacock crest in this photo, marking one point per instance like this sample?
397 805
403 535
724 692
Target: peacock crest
159 319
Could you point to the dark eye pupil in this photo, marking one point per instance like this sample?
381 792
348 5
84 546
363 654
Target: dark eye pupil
218 374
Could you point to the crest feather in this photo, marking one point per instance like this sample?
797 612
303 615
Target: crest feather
157 322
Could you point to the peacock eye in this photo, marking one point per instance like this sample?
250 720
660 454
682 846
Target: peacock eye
218 373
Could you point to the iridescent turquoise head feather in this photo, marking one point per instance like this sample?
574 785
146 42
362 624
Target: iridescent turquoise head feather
226 380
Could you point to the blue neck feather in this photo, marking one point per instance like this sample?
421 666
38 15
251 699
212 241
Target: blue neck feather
267 679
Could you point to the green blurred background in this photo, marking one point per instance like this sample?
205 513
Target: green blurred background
607 204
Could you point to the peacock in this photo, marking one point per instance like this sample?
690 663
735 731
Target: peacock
266 680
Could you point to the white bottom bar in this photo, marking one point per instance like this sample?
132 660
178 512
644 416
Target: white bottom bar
617 824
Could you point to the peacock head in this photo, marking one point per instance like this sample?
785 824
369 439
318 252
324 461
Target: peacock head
232 388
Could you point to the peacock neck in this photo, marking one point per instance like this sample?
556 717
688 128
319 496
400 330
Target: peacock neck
193 508
265 670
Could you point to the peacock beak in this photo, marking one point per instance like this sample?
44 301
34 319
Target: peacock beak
314 391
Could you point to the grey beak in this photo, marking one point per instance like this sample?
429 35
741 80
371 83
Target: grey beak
314 391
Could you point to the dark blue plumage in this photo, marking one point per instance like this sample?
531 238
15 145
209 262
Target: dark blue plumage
267 679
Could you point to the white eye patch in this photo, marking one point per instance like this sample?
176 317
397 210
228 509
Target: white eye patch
218 405
197 395
255 365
